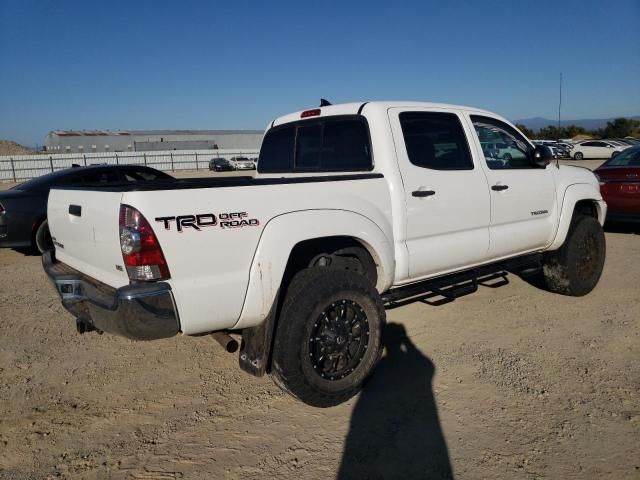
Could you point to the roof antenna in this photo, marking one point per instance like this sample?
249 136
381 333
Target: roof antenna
324 103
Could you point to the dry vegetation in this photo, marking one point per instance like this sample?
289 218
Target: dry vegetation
9 147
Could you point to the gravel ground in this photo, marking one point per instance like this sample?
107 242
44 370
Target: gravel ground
510 382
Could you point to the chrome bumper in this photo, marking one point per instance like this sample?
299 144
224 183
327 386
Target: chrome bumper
138 312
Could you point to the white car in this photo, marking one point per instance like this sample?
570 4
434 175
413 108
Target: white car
354 207
596 149
243 163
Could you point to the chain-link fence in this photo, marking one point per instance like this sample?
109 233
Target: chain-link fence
17 168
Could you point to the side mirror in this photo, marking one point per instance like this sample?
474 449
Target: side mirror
542 156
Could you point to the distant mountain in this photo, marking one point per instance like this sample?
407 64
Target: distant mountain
537 123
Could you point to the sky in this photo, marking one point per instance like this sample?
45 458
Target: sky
238 64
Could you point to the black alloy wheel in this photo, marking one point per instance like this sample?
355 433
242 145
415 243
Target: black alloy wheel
339 340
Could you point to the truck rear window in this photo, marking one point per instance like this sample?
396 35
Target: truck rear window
332 144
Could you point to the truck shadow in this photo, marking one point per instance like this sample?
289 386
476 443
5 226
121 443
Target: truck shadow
395 430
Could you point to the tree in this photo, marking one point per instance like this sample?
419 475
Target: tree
527 132
620 127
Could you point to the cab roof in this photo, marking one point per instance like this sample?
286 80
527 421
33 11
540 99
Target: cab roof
354 108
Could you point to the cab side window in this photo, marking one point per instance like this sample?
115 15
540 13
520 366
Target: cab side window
503 147
435 140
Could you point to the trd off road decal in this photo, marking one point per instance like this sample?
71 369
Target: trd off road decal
204 220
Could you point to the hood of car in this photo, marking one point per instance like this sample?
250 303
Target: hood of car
574 174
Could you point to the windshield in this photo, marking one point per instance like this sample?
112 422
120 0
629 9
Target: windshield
627 158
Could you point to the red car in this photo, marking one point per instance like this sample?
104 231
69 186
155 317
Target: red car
620 185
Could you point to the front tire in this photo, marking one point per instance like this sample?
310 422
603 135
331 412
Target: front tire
42 238
575 268
328 337
578 156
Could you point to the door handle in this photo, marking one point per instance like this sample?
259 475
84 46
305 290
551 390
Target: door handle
498 188
75 210
423 193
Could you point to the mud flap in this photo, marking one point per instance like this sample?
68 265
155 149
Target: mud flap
257 342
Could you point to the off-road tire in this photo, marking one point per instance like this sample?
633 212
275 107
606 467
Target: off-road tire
42 238
311 292
578 156
575 268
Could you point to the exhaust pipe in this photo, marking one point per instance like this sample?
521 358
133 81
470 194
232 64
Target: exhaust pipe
229 343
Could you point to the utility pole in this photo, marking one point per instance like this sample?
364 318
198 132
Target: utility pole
560 102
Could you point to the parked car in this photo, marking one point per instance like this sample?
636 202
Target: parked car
310 250
563 149
23 208
620 185
626 141
221 165
596 149
243 163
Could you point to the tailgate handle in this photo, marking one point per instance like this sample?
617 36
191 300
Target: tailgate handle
75 210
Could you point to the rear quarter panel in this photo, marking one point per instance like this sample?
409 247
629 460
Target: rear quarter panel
210 267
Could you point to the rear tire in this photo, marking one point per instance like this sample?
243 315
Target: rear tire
328 338
578 156
575 268
42 238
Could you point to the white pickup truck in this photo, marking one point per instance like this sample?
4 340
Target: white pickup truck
354 207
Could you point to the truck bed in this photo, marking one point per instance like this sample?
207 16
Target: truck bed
215 260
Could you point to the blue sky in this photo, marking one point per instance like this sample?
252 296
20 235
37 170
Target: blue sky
237 64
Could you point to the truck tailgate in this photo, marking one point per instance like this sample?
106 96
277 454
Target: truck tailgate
85 230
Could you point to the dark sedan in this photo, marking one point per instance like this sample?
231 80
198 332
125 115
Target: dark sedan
620 185
23 208
221 165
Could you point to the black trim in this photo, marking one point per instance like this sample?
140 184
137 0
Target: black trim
193 183
272 123
361 107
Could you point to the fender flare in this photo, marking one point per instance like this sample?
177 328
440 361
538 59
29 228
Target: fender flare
284 232
572 195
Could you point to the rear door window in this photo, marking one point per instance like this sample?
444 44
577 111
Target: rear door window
436 141
332 144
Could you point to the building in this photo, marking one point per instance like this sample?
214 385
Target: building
89 141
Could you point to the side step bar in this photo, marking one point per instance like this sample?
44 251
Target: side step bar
462 283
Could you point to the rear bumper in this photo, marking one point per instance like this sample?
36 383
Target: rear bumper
138 312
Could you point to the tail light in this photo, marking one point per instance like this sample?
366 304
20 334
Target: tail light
141 251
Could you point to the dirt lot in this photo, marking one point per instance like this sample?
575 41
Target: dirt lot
510 382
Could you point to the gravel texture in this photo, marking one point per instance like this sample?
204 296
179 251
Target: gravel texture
507 383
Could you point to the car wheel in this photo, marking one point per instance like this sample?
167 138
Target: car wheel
42 238
575 268
328 338
578 156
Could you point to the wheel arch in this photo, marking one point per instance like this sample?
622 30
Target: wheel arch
289 239
581 198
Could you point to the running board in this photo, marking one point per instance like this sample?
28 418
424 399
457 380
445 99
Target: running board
463 283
